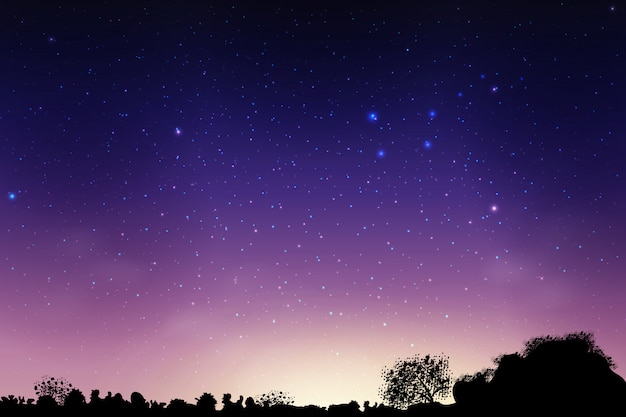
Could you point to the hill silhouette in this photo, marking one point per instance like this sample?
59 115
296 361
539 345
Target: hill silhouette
562 376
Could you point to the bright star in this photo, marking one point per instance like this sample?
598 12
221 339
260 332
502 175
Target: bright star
12 196
381 153
178 131
432 114
373 117
428 144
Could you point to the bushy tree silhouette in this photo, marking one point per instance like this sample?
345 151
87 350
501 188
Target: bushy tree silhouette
576 344
552 375
75 399
568 373
206 403
416 380
57 388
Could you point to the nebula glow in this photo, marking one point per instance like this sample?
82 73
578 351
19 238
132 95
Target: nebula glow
200 198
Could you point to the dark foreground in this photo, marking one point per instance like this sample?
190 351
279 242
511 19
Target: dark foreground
351 409
553 376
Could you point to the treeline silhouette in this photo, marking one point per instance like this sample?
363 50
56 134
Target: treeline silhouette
552 376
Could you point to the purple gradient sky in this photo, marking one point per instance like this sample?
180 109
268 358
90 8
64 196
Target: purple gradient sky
241 198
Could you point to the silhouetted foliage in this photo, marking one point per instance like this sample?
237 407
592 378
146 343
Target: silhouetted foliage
576 344
551 375
416 380
75 399
273 398
231 407
178 407
46 402
10 400
472 389
206 402
11 403
94 398
138 402
351 409
57 388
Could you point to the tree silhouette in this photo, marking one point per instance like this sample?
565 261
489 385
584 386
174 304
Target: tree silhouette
416 380
57 388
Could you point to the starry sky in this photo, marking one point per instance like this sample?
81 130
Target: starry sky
236 197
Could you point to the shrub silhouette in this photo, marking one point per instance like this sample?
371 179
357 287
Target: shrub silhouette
206 403
138 403
46 403
57 388
231 407
75 400
178 407
344 410
94 398
273 398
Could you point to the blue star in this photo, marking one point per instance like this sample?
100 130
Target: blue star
381 153
373 117
11 196
432 114
428 144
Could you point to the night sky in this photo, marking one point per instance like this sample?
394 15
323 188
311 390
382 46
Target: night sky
243 198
